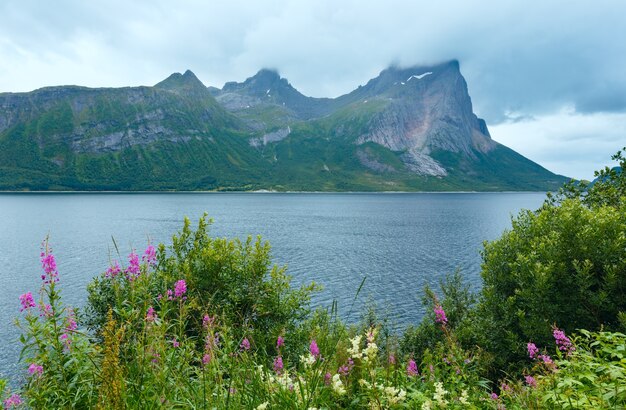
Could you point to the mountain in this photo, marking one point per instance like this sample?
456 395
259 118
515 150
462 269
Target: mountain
407 129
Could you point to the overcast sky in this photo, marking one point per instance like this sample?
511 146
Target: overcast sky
549 77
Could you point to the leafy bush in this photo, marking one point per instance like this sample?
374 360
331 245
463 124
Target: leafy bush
562 265
231 278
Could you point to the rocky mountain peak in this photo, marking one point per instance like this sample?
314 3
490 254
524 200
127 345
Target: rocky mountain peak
263 84
183 83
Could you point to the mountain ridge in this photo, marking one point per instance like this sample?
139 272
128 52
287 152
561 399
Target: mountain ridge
410 128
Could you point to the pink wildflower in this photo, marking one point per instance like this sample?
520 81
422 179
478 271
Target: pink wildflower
180 288
113 271
49 265
440 315
532 350
392 359
346 368
207 321
133 270
563 342
150 315
327 378
46 310
149 256
546 359
245 344
13 401
27 301
411 368
175 343
170 294
313 349
35 369
71 321
278 364
494 396
530 381
65 338
206 359
280 342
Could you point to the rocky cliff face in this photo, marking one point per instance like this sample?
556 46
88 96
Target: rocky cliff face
426 109
108 120
407 129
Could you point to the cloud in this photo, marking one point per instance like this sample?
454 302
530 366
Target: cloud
566 142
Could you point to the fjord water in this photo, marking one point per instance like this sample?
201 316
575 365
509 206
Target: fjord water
400 242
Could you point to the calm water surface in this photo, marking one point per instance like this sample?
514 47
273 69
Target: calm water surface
399 241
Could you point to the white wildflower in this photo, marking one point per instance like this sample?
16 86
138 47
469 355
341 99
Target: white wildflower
440 393
463 398
355 351
371 335
365 383
338 385
262 406
427 405
394 395
370 352
307 360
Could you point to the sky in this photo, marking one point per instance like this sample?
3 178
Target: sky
549 77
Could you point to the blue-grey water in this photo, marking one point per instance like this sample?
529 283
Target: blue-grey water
400 242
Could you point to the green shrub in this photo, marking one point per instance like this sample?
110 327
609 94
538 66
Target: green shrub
562 265
233 279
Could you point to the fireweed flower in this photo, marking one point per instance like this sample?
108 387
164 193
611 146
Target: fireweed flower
27 301
150 315
546 359
180 288
149 256
532 350
563 342
207 321
278 364
175 343
530 381
346 368
440 315
35 370
494 396
65 338
49 265
206 359
113 271
46 310
280 342
313 349
133 270
13 401
327 378
411 368
245 344
71 321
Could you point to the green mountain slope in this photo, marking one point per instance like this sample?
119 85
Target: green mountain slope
407 129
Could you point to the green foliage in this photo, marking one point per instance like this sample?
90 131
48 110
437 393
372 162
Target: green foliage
458 301
230 278
562 265
607 189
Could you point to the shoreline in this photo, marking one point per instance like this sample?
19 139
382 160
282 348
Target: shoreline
264 192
